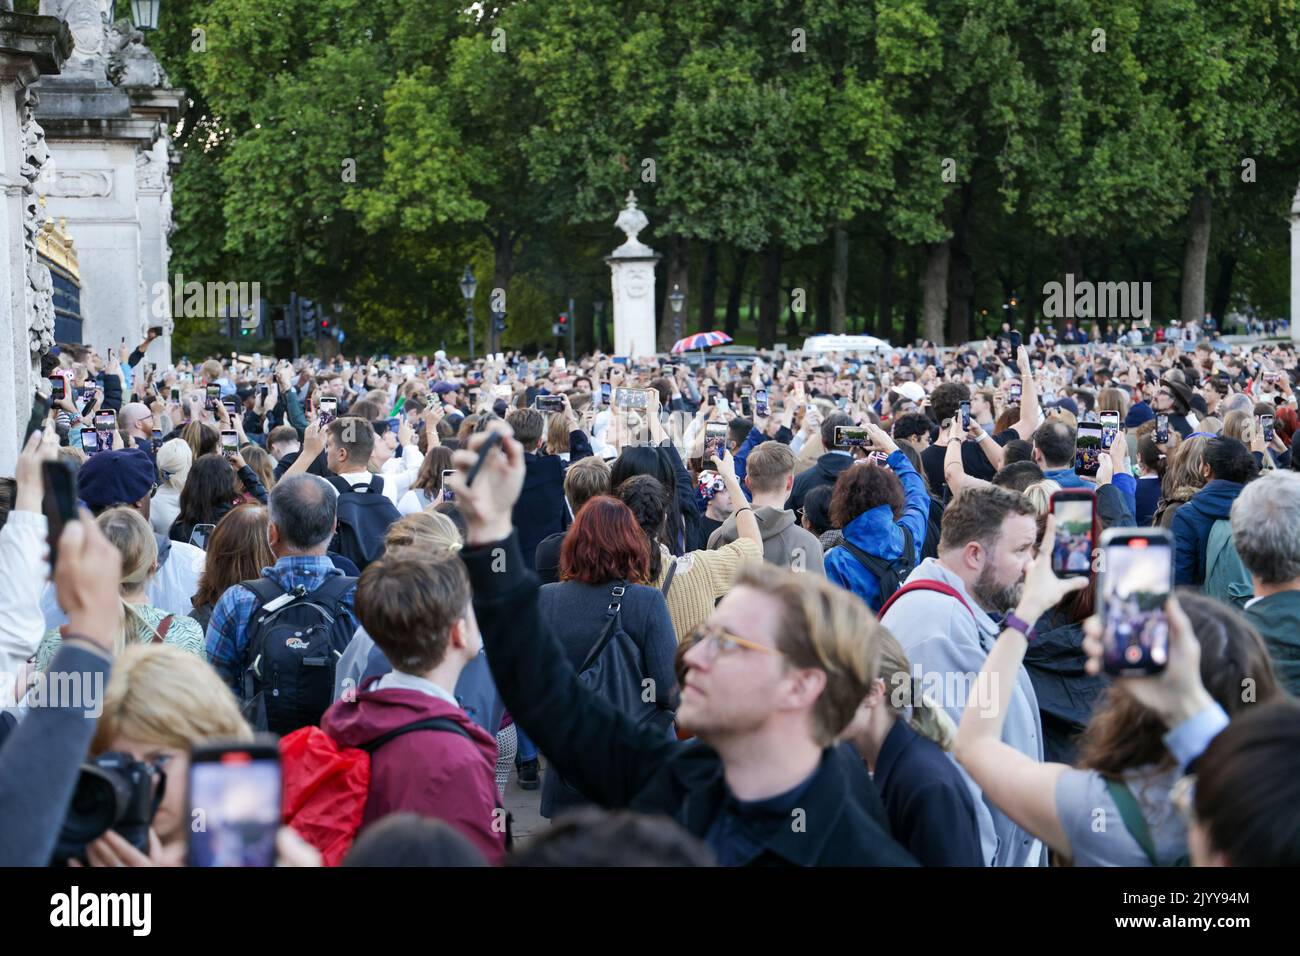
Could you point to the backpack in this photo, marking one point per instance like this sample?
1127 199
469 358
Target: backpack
325 786
295 639
364 514
889 574
1225 578
1136 825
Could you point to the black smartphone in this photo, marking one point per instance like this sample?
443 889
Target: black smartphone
1013 393
447 493
234 799
760 403
58 388
59 502
262 391
715 441
214 395
714 392
1136 579
847 436
1087 450
549 403
36 420
746 407
1075 511
157 439
1109 428
1266 427
965 415
1162 429
155 330
90 442
329 408
229 442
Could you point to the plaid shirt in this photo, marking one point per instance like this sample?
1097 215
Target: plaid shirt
227 637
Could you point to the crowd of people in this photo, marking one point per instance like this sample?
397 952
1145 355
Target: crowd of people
756 608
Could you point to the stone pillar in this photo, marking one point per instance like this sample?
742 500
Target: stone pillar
632 268
107 120
1295 267
29 47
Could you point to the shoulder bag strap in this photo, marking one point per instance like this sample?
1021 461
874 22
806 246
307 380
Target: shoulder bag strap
611 619
1131 814
445 724
160 633
668 581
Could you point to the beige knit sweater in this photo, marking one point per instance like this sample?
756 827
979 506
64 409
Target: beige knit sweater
702 577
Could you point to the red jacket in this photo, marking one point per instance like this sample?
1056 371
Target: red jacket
434 773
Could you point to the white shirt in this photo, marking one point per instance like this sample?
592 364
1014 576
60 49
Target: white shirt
397 679
23 571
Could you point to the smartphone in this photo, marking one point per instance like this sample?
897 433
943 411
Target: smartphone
234 792
176 395
849 436
199 535
549 403
157 439
605 391
90 442
760 403
87 396
155 330
1075 511
1015 341
447 493
60 500
229 442
262 391
1109 428
1013 393
329 408
1162 429
1266 427
630 398
965 415
715 440
232 407
58 388
1087 449
746 408
105 422
714 392
620 360
1132 589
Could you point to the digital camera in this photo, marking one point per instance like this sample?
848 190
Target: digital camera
114 792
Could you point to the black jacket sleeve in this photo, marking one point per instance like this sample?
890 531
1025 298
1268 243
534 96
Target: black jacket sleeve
597 749
579 446
252 484
1112 508
41 761
112 391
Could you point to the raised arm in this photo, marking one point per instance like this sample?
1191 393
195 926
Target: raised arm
1029 410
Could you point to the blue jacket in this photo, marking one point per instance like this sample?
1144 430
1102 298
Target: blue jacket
1191 527
876 532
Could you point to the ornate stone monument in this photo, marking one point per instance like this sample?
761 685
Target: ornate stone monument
632 268
29 47
107 119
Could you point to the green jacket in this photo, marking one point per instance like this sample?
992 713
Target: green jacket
1277 618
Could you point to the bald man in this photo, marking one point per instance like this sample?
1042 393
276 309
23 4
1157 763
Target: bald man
137 424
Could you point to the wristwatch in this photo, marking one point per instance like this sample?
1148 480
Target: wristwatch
1016 624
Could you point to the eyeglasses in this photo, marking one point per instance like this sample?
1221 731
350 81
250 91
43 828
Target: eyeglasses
718 641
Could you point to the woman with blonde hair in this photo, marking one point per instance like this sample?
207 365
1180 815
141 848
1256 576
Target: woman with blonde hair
141 622
1184 477
160 703
174 460
202 439
902 737
1242 426
427 531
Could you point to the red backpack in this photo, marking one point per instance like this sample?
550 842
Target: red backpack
326 786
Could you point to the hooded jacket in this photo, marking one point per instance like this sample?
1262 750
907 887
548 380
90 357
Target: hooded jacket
825 472
434 773
1191 527
785 544
876 532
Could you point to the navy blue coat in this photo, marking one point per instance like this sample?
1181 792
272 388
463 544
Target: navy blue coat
1191 527
931 811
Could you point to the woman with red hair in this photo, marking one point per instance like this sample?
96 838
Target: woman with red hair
604 564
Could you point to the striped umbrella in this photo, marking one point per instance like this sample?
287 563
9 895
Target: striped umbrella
701 341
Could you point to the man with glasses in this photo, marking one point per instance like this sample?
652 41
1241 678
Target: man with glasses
137 423
769 682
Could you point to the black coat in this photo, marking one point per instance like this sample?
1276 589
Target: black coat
605 756
825 472
541 509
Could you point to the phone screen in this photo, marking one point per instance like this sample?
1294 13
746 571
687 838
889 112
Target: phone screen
847 436
1109 428
58 388
447 493
1135 584
1013 392
89 441
605 391
328 410
229 442
1072 549
1266 426
630 398
234 798
715 441
1087 452
965 415
60 501
550 403
176 395
760 403
199 535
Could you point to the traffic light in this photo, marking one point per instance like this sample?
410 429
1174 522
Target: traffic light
499 322
308 313
562 326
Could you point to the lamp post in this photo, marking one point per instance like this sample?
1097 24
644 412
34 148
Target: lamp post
144 14
468 285
598 307
677 300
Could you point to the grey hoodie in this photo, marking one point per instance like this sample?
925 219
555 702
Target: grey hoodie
784 543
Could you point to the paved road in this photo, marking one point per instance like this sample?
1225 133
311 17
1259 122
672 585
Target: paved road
523 805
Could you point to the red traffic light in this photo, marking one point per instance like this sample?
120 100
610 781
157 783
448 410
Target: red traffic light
564 318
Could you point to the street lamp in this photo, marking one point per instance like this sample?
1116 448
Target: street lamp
599 307
144 14
467 288
677 300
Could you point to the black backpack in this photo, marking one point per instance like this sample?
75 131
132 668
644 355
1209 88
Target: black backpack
295 639
364 514
890 574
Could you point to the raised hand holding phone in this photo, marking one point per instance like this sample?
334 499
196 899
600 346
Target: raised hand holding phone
86 578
